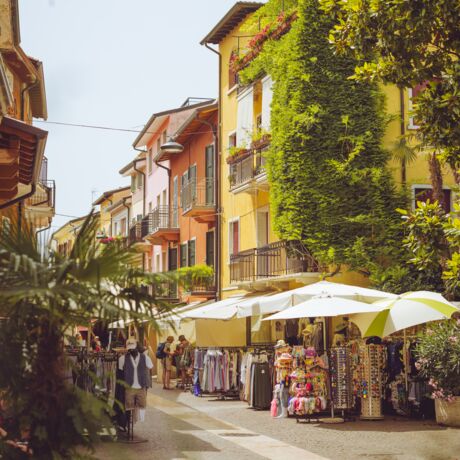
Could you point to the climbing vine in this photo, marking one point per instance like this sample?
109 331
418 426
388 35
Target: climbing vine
330 186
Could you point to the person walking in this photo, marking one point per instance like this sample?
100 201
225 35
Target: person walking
182 359
167 362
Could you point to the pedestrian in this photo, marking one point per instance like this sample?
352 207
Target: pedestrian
182 359
167 362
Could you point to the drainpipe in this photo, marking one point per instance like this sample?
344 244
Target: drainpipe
23 99
403 132
218 155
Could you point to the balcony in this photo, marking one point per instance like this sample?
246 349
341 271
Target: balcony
166 291
272 264
202 287
198 200
162 225
136 240
40 206
247 173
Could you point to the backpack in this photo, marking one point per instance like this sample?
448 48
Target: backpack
160 354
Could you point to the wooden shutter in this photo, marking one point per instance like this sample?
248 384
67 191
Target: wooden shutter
191 253
183 255
210 249
235 237
209 165
172 259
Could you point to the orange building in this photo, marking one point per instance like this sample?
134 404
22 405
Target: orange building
192 176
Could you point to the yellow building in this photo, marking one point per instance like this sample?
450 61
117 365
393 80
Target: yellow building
105 203
252 259
25 191
63 239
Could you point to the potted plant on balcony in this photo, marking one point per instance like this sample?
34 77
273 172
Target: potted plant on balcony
200 275
260 138
237 153
438 359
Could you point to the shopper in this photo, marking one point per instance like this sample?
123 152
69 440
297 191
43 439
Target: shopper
183 359
167 362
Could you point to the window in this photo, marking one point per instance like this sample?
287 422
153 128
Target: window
191 253
234 237
164 198
158 145
232 140
209 172
123 227
115 229
140 180
150 161
150 207
133 183
413 94
183 254
210 248
426 193
172 259
157 263
232 74
158 201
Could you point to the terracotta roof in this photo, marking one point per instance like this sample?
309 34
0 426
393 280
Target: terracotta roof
164 114
105 195
233 17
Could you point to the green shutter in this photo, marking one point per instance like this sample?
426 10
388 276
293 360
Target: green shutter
191 253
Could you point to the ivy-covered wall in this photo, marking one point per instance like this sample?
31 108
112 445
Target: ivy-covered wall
329 181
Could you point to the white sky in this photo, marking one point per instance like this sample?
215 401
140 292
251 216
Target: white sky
113 63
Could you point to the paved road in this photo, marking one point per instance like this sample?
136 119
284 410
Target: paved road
180 426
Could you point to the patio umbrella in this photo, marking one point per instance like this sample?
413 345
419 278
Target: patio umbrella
407 310
282 300
224 310
325 306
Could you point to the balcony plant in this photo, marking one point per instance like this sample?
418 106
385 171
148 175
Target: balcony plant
260 138
237 153
438 359
200 274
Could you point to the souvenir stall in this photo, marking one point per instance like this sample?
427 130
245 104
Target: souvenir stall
301 382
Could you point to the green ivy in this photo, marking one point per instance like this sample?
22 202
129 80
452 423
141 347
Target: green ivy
330 186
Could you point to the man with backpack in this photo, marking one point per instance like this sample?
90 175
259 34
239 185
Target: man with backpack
165 355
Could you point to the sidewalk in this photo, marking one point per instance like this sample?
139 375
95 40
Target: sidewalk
179 425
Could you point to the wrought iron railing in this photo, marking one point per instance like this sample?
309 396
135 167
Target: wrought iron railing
272 260
246 169
198 194
44 194
163 217
135 233
166 290
146 225
242 265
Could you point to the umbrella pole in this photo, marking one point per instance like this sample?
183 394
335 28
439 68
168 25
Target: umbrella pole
406 378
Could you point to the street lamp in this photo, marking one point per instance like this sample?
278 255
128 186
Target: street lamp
172 147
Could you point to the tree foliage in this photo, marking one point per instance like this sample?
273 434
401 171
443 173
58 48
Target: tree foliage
42 299
408 43
329 183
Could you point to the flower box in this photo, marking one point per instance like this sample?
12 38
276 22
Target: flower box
239 156
262 142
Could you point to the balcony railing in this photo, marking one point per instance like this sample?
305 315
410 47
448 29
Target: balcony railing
203 286
198 195
166 290
135 234
244 170
44 194
273 260
242 266
146 225
164 217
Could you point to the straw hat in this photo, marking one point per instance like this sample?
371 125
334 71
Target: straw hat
281 344
131 343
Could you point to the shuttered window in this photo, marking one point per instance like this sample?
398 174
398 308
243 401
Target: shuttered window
191 253
183 254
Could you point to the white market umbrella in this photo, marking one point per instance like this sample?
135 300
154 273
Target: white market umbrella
407 310
325 306
224 310
282 300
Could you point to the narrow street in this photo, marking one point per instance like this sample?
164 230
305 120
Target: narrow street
181 426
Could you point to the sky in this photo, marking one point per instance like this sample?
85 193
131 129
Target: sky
113 63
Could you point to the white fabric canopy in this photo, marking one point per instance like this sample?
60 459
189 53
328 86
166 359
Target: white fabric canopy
325 306
244 121
224 309
282 300
267 96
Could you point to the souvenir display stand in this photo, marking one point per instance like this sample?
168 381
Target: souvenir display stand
372 359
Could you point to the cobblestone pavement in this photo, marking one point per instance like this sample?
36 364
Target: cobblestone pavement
181 426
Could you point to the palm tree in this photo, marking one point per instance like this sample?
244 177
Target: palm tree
42 299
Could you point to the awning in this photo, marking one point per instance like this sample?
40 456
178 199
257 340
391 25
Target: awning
223 309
